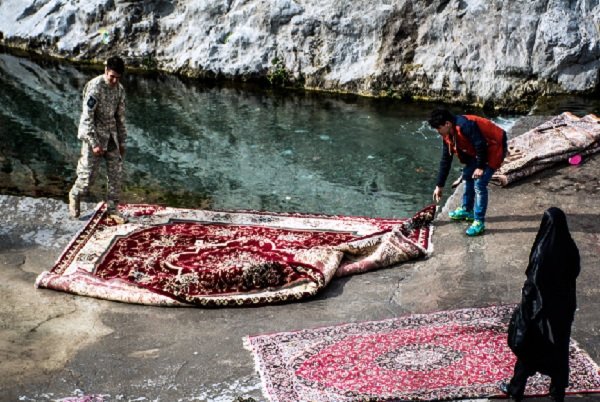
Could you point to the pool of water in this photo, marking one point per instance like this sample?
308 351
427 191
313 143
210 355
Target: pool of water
193 145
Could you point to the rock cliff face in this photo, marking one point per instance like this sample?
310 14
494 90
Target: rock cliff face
499 53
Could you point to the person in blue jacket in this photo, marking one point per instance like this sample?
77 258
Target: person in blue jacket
481 146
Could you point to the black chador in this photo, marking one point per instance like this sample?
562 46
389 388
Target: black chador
540 328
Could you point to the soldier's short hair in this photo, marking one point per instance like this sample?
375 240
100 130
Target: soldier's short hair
116 64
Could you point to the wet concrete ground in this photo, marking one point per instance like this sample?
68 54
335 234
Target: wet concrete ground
55 345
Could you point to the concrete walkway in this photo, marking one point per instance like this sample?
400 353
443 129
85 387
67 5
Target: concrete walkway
55 345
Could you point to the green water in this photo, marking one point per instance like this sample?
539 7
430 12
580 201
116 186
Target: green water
193 145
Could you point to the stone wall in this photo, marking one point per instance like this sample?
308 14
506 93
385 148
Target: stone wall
499 53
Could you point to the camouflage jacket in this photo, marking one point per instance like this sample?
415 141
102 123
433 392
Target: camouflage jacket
103 114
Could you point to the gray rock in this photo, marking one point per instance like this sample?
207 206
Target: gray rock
498 53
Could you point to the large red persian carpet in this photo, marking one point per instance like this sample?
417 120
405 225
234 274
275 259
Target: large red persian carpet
171 256
446 355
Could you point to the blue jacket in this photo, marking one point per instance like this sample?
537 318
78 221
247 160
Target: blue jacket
471 132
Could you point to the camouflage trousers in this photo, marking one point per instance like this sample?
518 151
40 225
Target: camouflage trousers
87 168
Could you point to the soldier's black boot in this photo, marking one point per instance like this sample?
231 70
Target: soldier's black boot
74 205
113 213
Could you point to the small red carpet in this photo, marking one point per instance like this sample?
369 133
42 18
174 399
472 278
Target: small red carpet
172 256
446 355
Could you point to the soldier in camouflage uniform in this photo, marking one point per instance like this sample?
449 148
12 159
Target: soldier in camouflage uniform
102 131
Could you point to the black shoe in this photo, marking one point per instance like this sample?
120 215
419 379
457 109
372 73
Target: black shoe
504 388
556 395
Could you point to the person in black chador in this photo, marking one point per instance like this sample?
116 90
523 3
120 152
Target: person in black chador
540 328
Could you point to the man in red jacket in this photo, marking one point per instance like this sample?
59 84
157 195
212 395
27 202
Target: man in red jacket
481 146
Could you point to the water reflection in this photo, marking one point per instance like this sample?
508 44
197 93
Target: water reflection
292 153
196 146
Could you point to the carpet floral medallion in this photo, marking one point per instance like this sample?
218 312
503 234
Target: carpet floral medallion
171 256
446 355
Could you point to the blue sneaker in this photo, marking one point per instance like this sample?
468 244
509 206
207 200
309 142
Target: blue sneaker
461 214
476 228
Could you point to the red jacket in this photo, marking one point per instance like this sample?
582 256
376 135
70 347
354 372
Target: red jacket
476 138
493 136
